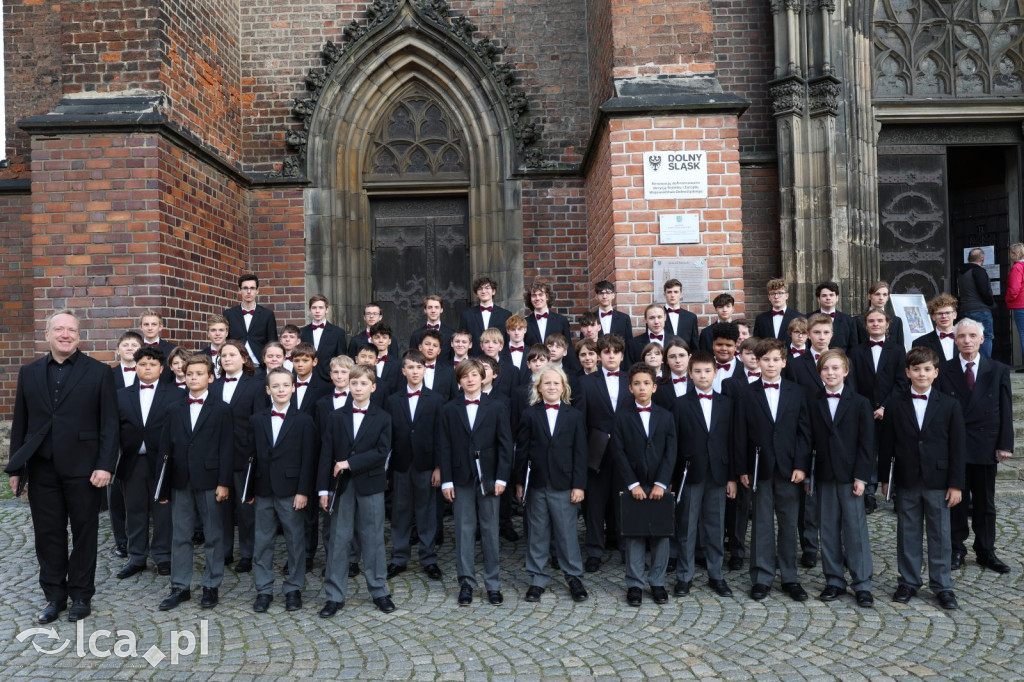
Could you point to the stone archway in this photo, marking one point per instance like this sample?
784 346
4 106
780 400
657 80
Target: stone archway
410 48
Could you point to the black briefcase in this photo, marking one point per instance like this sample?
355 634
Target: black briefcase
647 518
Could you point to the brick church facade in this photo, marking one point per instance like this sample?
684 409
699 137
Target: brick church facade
157 149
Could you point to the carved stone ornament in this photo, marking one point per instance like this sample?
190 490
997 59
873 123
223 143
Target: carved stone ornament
437 12
823 96
788 97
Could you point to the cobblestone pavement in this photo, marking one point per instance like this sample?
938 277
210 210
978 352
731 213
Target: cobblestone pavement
701 636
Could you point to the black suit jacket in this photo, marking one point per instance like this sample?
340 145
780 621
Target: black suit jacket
446 341
316 390
640 458
200 458
931 340
596 404
987 411
785 443
444 380
287 467
621 324
472 321
891 377
414 438
249 397
262 328
710 453
491 436
895 331
360 340
934 456
687 329
121 377
80 433
844 447
165 347
803 370
635 346
557 461
134 433
557 324
366 452
323 410
333 342
846 332
764 327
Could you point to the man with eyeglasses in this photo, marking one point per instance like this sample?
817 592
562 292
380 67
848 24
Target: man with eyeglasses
360 340
774 323
942 310
252 324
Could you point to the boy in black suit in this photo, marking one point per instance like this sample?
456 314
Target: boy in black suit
846 333
644 449
678 321
558 347
677 382
176 364
415 474
942 340
217 332
798 338
475 453
586 354
433 307
590 326
724 304
708 430
724 339
438 376
923 429
289 339
362 339
476 318
737 509
198 445
541 323
356 442
327 339
151 324
515 332
842 435
492 343
143 409
389 367
612 321
551 470
367 357
803 369
774 323
309 387
250 323
775 459
124 371
285 453
654 332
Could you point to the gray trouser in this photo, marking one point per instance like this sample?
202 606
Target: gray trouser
917 507
244 515
776 499
184 504
844 536
362 516
413 498
701 510
551 517
472 508
270 510
138 498
636 551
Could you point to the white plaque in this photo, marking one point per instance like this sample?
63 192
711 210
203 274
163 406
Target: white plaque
680 228
691 272
675 175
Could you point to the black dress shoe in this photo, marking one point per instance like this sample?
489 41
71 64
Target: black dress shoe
80 609
682 588
465 595
735 563
634 596
659 594
903 594
495 598
51 612
353 570
993 563
244 565
795 591
831 593
175 598
760 591
576 589
395 569
721 587
870 503
957 561
809 559
262 603
129 570
947 600
163 568
591 564
533 593
433 571
293 601
210 598
330 608
384 604
509 533
864 599
121 550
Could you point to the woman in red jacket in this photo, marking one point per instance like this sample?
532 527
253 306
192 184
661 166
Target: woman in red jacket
1015 290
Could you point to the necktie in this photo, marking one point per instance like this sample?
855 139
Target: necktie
607 313
917 396
128 369
946 335
551 407
472 402
674 310
517 349
659 337
719 365
317 326
797 351
969 376
680 380
540 316
227 379
430 366
831 395
412 395
643 409
775 386
301 383
780 313
754 374
706 396
356 410
486 308
339 395
195 401
248 312
147 385
880 344
612 374
274 413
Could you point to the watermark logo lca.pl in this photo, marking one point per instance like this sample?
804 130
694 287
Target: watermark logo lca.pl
183 643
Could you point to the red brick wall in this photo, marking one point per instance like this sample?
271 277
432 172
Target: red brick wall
16 296
600 222
278 252
762 249
600 57
659 37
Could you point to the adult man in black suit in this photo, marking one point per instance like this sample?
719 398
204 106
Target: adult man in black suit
250 323
327 339
982 386
612 321
542 323
476 318
64 437
774 323
846 333
433 308
942 340
654 331
679 321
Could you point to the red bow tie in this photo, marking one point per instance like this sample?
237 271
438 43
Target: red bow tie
817 356
916 396
195 401
412 395
517 349
486 308
832 315
227 379
339 395
301 383
659 337
780 313
435 327
611 374
383 358
248 312
128 369
946 335
643 409
754 374
797 351
154 344
472 402
430 366
606 314
551 407
147 385
674 310
880 344
706 396
368 336
680 380
775 386
179 384
274 413
288 358
719 365
455 363
317 326
213 352
541 316
356 410
831 395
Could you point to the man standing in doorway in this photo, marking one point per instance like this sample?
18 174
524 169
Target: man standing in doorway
975 289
